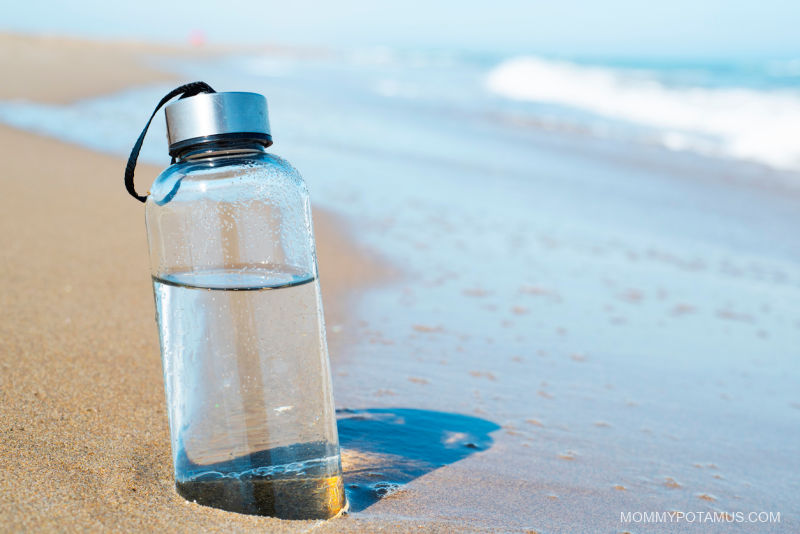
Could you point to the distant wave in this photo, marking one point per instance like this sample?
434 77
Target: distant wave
750 124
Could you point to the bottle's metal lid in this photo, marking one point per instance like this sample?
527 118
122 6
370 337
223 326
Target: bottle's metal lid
210 116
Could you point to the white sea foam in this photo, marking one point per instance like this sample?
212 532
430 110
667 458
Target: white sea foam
750 124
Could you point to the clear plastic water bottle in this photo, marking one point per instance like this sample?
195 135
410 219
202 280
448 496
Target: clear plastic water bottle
238 306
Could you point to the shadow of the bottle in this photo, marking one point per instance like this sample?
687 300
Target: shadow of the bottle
383 449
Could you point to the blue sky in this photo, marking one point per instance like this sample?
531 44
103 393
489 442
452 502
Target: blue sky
631 28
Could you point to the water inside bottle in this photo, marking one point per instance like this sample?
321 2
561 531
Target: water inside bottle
310 489
248 391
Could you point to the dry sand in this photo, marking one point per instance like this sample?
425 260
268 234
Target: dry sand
84 442
59 69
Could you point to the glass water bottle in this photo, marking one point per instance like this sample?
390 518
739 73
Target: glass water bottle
238 306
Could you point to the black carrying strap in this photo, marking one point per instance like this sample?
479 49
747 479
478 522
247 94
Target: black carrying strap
190 89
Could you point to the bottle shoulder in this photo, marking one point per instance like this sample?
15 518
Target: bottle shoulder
224 178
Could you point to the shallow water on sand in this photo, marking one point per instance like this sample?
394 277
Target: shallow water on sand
619 323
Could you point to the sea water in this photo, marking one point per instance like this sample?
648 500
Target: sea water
247 384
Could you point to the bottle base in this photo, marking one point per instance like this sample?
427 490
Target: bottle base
291 498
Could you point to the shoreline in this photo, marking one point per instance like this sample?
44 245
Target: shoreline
571 319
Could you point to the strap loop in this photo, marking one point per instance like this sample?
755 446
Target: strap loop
190 89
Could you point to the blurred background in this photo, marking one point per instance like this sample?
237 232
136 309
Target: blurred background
580 220
713 78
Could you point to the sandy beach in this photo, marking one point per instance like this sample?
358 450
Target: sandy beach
85 441
531 330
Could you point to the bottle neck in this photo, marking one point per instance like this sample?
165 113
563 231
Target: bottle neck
228 148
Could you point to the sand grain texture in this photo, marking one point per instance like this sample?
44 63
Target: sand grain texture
85 442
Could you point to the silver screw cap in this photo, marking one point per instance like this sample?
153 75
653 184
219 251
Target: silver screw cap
209 116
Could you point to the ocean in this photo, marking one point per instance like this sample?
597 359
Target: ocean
746 110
